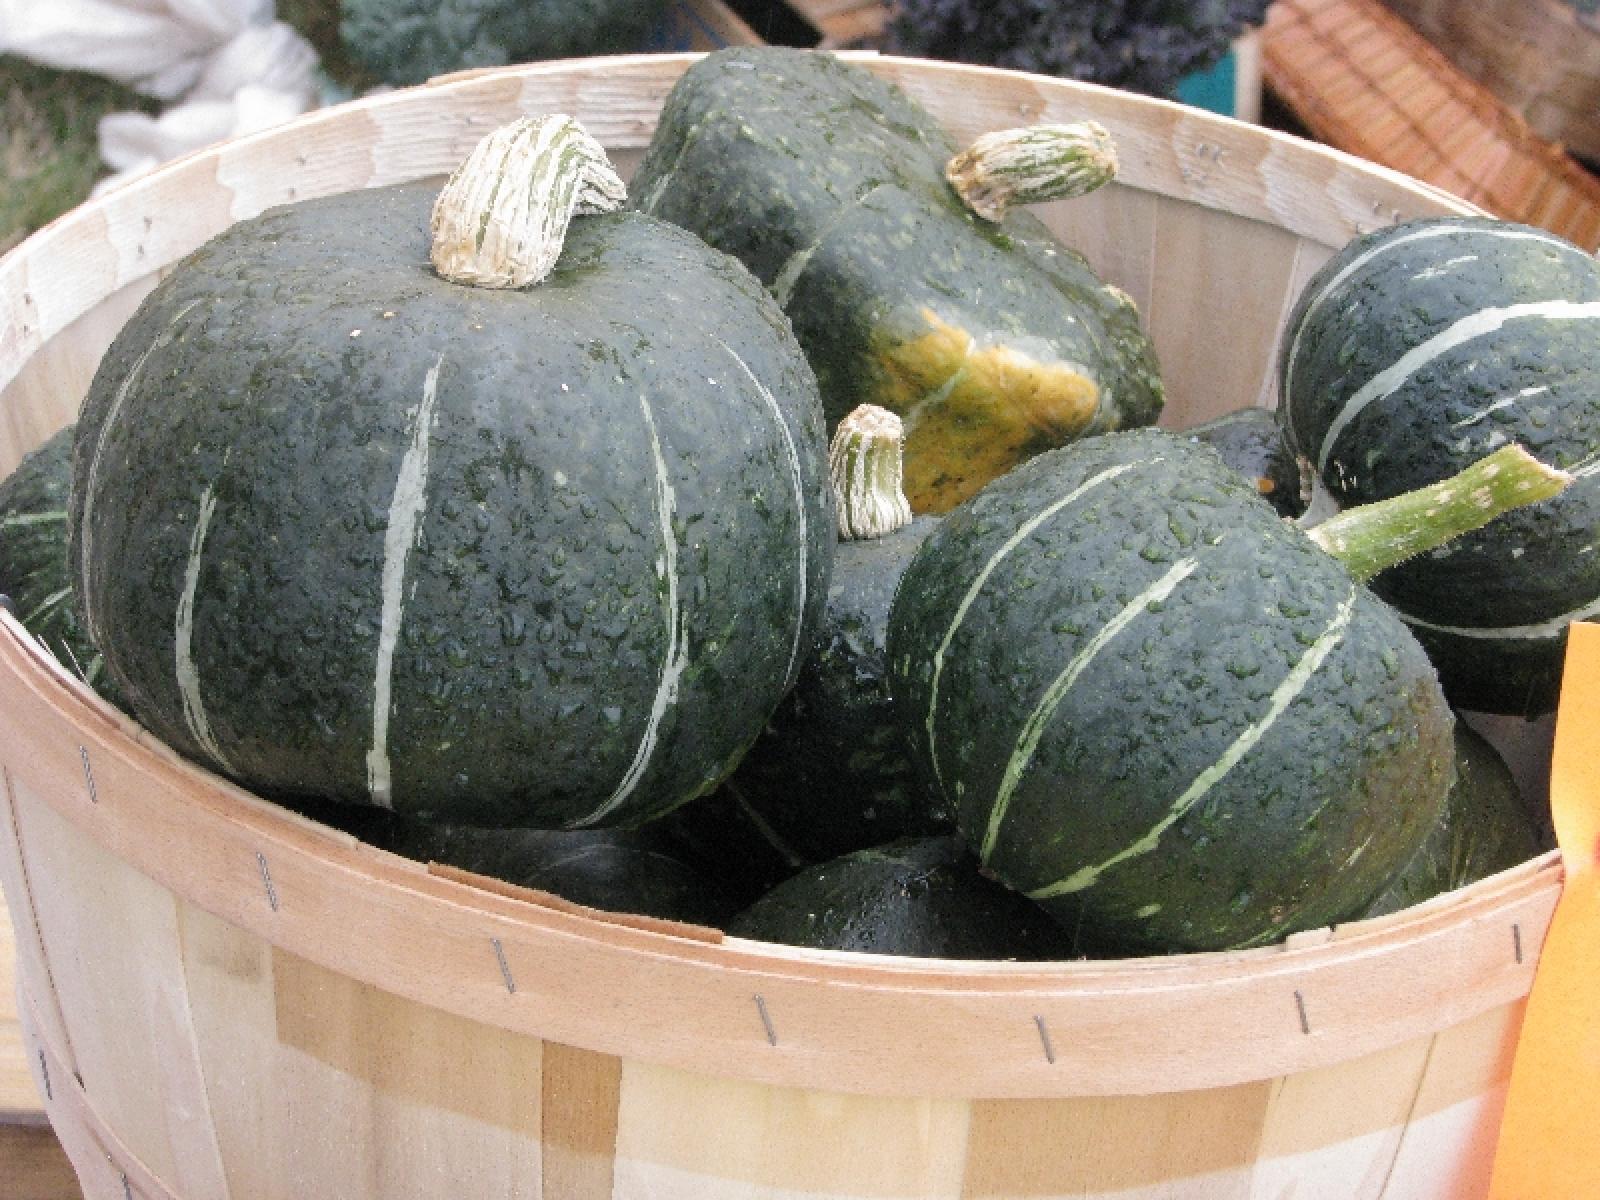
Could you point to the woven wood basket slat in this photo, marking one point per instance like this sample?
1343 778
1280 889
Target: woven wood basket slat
1364 80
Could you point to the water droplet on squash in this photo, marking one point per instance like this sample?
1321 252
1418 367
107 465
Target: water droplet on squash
513 628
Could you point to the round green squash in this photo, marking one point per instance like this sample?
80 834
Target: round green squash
724 838
1158 708
34 568
1485 827
992 340
921 897
410 41
1419 348
830 773
1251 441
617 870
544 555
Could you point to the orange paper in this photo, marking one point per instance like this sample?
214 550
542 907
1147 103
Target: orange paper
1550 1137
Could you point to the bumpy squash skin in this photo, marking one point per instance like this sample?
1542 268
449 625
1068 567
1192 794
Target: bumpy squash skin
410 41
1532 382
1334 792
1251 441
34 569
918 897
831 774
280 378
1486 827
993 341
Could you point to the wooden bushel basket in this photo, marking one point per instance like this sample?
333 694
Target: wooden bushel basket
223 1000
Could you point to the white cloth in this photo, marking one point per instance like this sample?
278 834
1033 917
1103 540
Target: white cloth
231 68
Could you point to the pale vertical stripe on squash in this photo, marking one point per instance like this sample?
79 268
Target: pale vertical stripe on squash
194 709
677 656
1554 627
23 520
1349 270
797 479
1285 694
53 600
405 515
1033 728
92 476
1503 402
976 586
1479 324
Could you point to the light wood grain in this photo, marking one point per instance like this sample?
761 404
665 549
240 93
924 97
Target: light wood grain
117 971
28 962
689 1135
20 1102
106 1168
580 1094
1203 252
1191 1144
902 1026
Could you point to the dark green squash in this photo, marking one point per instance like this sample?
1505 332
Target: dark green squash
918 897
1251 441
992 341
34 570
410 41
1160 709
830 773
530 555
724 838
617 870
1421 347
1485 827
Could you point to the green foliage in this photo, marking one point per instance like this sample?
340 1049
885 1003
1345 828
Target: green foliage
48 156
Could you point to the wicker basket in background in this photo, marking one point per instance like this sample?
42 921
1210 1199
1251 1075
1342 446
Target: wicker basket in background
1364 80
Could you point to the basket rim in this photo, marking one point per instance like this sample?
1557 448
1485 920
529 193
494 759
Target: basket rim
822 1019
1306 1002
1309 189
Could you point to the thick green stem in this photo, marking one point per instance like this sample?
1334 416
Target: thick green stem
864 463
1032 165
1372 537
502 217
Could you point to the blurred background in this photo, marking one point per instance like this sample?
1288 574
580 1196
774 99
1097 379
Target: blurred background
1497 101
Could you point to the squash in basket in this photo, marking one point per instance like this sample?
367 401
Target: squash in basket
1163 711
830 774
1421 347
525 553
992 340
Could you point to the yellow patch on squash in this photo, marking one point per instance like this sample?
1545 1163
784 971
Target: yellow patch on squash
975 409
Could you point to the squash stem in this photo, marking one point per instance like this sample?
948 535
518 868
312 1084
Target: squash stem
865 465
1370 538
502 217
1032 165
